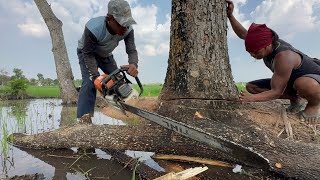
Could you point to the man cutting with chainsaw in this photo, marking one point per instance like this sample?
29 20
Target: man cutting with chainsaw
101 36
295 75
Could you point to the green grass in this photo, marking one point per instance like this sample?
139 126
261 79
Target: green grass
43 91
54 91
149 89
241 86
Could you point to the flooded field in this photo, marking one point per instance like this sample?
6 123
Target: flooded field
36 116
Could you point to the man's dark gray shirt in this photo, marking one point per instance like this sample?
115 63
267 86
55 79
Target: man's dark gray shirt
308 67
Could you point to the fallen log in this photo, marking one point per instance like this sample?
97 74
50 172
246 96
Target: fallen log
142 137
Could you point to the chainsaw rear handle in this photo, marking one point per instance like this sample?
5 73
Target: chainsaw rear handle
117 79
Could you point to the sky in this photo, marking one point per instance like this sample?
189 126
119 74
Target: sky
26 43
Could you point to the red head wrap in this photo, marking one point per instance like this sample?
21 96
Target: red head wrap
258 36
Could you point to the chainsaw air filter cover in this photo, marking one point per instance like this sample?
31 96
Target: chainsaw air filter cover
123 90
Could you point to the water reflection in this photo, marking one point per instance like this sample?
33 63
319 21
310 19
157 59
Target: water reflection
37 116
19 111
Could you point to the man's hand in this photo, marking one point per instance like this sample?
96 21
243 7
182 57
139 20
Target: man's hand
245 97
230 8
132 69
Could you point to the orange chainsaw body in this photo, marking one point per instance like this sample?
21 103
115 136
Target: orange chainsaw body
98 82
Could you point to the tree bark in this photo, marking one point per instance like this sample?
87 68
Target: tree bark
143 137
68 91
198 66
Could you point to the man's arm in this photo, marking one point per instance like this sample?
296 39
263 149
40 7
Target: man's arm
90 43
285 62
132 54
236 26
131 48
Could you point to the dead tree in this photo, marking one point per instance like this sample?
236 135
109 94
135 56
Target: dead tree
68 91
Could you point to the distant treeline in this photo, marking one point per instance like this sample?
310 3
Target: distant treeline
5 79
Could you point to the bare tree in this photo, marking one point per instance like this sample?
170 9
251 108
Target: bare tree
68 91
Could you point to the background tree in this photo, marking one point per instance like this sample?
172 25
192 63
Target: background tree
68 91
33 82
4 77
40 79
55 82
18 74
48 82
18 84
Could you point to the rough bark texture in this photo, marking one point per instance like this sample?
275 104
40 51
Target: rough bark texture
143 137
68 91
198 59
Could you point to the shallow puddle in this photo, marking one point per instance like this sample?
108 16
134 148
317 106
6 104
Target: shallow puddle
41 115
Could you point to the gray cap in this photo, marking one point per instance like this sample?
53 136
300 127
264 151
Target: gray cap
120 10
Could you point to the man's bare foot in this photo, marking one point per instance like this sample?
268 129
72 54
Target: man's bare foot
311 115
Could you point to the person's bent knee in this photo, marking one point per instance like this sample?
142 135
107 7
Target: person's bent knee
307 87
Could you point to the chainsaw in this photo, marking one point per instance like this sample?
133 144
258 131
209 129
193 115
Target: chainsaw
117 90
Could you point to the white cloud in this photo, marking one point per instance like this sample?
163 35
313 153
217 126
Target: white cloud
151 38
288 17
36 30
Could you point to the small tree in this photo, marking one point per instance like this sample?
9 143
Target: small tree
18 85
40 79
4 77
33 82
18 74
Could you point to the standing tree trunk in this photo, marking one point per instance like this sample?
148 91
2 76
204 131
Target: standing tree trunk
198 60
68 91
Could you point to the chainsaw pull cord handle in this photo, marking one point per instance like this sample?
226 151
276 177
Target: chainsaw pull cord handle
137 79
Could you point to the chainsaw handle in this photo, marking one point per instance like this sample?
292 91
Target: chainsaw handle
137 80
